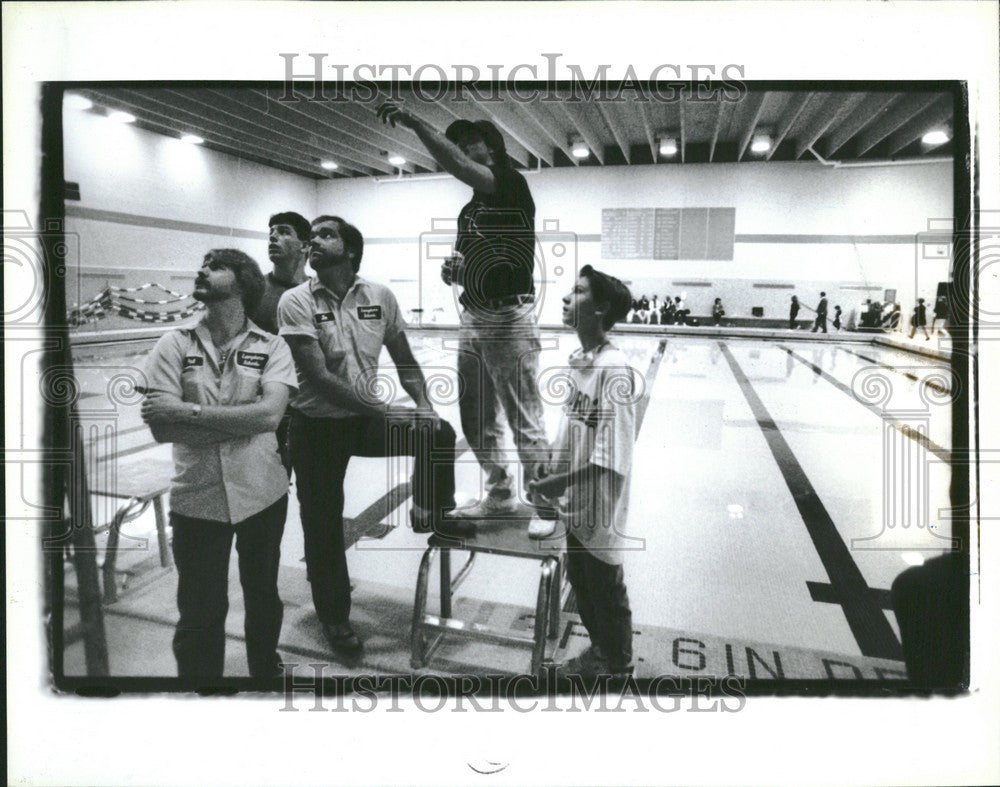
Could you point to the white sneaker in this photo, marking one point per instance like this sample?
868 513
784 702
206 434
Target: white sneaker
487 508
541 528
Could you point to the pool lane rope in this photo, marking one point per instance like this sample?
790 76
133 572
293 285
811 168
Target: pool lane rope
120 301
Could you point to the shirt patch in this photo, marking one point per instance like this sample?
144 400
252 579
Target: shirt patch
369 312
324 317
251 360
193 360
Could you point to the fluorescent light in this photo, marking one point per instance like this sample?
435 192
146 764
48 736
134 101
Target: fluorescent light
192 139
331 165
668 146
935 137
580 149
76 101
397 161
121 117
761 143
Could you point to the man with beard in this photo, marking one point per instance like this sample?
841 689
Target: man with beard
336 326
217 391
287 244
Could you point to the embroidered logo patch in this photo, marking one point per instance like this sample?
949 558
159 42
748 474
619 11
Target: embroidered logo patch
369 312
193 360
324 317
251 360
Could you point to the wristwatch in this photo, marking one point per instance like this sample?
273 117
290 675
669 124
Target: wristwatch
195 410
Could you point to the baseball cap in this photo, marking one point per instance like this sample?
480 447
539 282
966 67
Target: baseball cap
608 288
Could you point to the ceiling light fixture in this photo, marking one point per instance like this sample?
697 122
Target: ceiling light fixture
761 142
667 146
579 149
192 139
396 160
121 117
76 101
937 136
329 165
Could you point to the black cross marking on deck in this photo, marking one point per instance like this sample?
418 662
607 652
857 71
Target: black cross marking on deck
861 604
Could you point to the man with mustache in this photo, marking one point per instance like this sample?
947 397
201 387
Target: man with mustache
217 391
336 326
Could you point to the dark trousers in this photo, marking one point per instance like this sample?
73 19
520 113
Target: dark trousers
602 602
201 552
281 434
321 450
820 323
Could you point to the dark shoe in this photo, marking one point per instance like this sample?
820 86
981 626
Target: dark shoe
448 526
342 639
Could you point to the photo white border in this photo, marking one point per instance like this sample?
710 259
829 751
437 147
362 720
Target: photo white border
155 740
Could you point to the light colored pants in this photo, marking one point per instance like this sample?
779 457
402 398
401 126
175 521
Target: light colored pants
498 368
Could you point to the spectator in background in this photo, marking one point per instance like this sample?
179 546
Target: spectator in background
940 311
668 312
717 311
919 319
836 317
679 310
821 310
793 312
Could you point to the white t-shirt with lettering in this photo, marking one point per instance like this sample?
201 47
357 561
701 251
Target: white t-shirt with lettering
598 428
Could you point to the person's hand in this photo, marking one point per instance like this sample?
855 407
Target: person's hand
550 486
392 113
159 407
453 269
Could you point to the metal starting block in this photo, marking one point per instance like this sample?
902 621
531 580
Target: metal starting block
507 537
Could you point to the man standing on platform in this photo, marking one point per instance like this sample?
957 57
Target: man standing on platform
336 326
287 243
217 392
499 339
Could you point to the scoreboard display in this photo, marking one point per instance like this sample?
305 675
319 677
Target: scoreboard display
668 233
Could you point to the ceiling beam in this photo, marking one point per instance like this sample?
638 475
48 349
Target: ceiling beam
235 144
620 135
724 108
940 111
322 117
871 105
832 111
539 117
292 127
902 111
650 137
796 103
575 114
755 104
680 106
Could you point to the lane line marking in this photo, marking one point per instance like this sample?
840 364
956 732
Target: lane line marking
918 437
860 603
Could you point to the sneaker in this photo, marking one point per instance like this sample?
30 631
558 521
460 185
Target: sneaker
544 507
588 664
448 525
487 508
592 664
541 528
